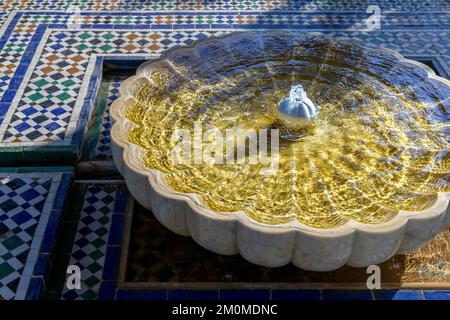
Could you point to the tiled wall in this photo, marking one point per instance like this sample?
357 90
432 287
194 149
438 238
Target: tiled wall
54 111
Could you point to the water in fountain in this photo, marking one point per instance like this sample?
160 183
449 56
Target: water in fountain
380 142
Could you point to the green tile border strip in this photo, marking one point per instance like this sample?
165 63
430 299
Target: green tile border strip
57 155
36 169
95 122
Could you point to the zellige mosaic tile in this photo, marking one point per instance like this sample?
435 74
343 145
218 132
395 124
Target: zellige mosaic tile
30 211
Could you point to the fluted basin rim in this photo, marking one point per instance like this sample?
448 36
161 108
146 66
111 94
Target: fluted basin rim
127 159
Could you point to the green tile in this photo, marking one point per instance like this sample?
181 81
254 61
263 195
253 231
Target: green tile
94 267
91 281
104 210
104 220
89 295
22 156
98 242
96 254
8 205
95 123
101 231
5 269
7 256
12 243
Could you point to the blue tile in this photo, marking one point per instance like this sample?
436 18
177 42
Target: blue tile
94 82
15 83
35 289
300 294
255 294
142 295
62 192
107 290
57 26
103 26
220 26
50 231
437 295
123 26
23 67
8 96
111 268
329 294
116 230
199 26
41 264
161 26
21 217
398 295
87 104
79 131
182 26
143 27
121 201
4 106
193 295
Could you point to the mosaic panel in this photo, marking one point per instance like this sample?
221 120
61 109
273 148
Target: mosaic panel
49 74
39 109
168 257
96 243
24 24
29 215
45 112
89 248
174 5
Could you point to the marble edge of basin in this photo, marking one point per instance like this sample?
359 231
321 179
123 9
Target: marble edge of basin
353 243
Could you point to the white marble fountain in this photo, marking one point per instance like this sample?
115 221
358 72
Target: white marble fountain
366 176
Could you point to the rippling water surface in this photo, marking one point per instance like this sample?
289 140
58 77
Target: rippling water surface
380 143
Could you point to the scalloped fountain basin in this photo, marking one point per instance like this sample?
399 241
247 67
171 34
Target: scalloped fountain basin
366 179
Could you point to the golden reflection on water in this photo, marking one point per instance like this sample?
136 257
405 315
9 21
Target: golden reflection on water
429 264
380 143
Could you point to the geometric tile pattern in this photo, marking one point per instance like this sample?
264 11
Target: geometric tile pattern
45 95
21 203
46 63
44 112
103 147
89 248
29 214
169 258
137 5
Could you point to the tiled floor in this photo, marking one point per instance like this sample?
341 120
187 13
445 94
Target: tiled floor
92 239
52 55
30 210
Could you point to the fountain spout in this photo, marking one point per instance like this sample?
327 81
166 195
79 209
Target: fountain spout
297 110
